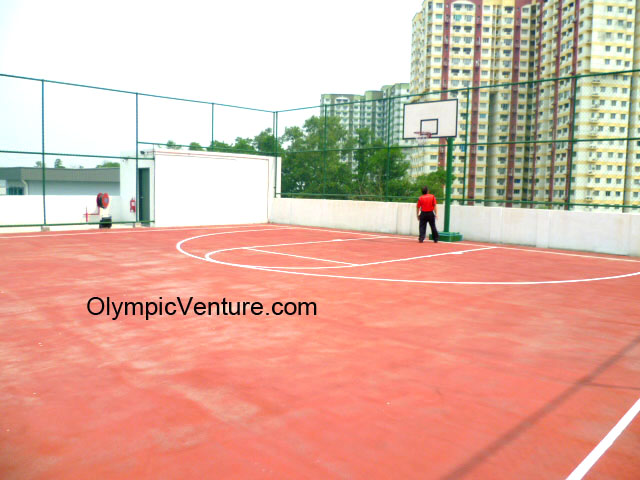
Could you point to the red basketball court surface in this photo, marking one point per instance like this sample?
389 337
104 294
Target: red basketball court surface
448 360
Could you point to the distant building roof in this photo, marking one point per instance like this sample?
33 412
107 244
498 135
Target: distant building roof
109 174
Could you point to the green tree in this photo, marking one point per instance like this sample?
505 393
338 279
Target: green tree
173 145
379 170
314 160
265 142
329 161
39 163
218 146
435 181
107 164
195 146
58 164
244 145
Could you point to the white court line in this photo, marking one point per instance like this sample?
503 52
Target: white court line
299 256
209 256
457 252
590 460
179 244
303 243
571 254
394 280
347 265
142 230
412 238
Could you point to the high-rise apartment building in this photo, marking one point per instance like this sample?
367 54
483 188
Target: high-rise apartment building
371 110
477 44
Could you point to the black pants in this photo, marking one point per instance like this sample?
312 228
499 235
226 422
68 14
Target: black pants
431 219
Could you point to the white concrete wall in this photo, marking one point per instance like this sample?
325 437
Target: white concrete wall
187 188
28 209
212 188
602 232
21 210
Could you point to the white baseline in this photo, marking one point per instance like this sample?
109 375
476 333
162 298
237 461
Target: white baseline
584 467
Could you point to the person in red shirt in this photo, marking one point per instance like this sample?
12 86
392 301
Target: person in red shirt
427 211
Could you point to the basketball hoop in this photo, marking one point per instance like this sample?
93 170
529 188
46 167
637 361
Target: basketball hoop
422 137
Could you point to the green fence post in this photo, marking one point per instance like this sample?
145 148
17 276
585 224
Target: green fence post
275 150
44 175
388 175
212 118
571 146
137 181
446 235
324 154
466 150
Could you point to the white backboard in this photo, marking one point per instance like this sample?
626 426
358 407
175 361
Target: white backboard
439 118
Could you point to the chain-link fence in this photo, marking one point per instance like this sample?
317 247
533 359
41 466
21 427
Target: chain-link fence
566 143
62 144
570 143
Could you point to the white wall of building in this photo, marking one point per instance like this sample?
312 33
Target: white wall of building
21 210
28 209
601 232
73 188
212 188
186 188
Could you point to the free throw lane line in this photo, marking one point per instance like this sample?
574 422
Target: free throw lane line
209 256
179 247
298 256
584 467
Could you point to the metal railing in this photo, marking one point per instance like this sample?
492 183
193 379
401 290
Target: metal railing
570 142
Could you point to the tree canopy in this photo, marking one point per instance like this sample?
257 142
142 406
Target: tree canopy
107 164
322 159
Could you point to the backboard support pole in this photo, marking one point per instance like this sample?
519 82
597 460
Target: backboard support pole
446 235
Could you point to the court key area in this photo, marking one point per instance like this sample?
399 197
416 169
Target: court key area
459 360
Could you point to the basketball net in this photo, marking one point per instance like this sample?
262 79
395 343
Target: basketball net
423 137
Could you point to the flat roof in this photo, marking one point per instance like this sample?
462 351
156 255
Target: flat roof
108 174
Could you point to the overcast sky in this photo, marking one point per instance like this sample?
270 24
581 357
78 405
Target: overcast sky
273 55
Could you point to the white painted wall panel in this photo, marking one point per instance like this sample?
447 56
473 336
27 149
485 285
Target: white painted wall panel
603 232
210 188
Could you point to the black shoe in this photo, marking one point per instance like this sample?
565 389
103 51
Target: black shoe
420 240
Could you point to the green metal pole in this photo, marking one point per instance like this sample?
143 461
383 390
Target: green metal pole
137 145
571 148
44 180
447 205
386 183
212 116
324 154
466 149
446 235
275 137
